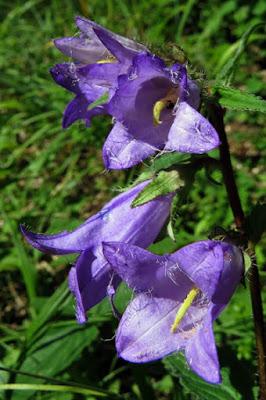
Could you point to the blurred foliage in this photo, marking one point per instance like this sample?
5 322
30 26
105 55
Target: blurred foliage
52 179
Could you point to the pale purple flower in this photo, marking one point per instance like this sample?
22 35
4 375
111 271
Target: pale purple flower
155 108
205 272
91 275
99 57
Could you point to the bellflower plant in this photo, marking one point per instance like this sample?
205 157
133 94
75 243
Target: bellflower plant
178 296
90 277
155 108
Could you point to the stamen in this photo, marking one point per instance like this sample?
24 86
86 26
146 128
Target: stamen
106 61
169 100
184 307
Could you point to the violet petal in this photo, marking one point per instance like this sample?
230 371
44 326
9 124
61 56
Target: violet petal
191 132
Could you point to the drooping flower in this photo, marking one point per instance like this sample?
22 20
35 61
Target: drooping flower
99 57
178 298
90 277
155 109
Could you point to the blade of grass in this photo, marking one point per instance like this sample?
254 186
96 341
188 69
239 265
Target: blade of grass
48 310
59 388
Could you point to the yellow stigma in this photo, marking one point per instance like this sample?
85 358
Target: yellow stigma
106 61
157 109
184 307
170 99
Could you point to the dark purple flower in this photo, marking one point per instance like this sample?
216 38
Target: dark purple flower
99 57
155 109
90 277
178 298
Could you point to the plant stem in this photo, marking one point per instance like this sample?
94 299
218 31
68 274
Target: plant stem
216 117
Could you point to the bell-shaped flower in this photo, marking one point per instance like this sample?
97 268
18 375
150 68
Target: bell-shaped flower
99 57
90 277
155 108
178 297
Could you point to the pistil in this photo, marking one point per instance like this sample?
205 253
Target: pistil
168 101
184 307
107 60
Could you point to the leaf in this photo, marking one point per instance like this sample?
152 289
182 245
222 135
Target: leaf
226 74
239 100
56 350
49 309
256 222
165 182
177 366
168 160
166 245
100 101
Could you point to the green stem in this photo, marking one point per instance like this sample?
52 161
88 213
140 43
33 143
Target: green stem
216 117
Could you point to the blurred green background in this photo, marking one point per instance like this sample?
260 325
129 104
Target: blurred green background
52 179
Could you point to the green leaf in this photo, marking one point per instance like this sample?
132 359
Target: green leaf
177 366
239 100
101 100
57 349
256 222
227 72
60 296
168 160
164 183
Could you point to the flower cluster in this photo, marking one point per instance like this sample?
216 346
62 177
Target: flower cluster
154 108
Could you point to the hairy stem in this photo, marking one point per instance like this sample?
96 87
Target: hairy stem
216 117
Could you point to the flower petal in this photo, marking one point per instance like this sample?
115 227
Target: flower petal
193 96
81 49
75 110
89 27
191 132
202 262
147 81
233 270
144 271
201 353
117 219
66 75
144 330
122 150
88 281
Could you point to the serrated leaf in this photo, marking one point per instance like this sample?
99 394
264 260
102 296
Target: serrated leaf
177 366
239 100
165 182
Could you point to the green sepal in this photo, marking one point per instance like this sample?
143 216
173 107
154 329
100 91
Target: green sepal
247 261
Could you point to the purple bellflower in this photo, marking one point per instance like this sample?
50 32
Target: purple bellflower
178 298
155 108
99 57
91 275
